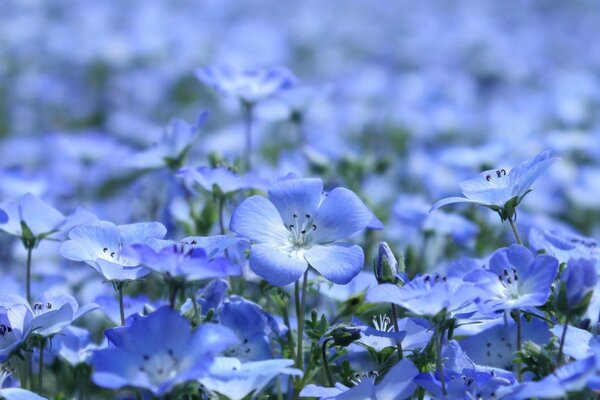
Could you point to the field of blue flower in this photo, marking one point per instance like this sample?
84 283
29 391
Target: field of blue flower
353 200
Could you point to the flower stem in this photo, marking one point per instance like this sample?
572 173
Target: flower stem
515 231
248 114
439 363
395 322
196 308
517 318
119 286
221 218
562 343
173 295
300 318
41 366
326 363
28 279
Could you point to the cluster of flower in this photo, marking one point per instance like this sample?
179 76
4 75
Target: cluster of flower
247 254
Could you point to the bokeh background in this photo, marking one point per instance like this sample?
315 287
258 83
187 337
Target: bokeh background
411 98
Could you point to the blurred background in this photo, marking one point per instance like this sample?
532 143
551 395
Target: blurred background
409 99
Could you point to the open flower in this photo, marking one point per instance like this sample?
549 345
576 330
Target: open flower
158 352
298 226
501 189
248 85
100 244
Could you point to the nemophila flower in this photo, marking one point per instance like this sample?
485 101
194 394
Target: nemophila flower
577 281
236 380
494 344
100 245
563 244
174 261
572 377
220 180
502 190
516 279
211 296
381 334
252 325
298 226
11 393
158 352
50 313
398 383
214 245
172 147
427 295
248 85
109 305
15 326
74 345
463 378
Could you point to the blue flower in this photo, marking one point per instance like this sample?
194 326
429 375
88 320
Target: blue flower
299 226
580 278
221 180
248 85
499 189
427 295
74 345
100 244
158 352
236 380
398 383
15 325
251 325
516 279
173 146
174 261
563 244
211 296
15 393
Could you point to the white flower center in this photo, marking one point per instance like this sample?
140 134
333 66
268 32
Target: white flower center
300 236
509 279
159 367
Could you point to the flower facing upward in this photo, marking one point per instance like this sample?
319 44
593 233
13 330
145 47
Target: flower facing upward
298 226
499 189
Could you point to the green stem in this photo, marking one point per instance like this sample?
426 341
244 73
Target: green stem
396 329
28 278
247 110
196 308
41 366
138 395
326 363
439 363
562 343
29 361
300 309
515 231
221 218
119 286
517 317
173 295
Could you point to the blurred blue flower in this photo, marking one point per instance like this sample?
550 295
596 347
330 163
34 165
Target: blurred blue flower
397 384
74 345
221 180
580 278
497 189
236 380
15 326
563 244
100 244
158 352
248 85
174 261
298 226
516 279
11 393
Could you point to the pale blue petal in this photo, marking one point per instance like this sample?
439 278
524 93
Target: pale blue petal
274 266
398 382
141 232
296 199
341 214
451 200
19 394
39 217
258 219
337 262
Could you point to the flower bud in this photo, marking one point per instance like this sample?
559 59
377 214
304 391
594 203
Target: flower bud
386 266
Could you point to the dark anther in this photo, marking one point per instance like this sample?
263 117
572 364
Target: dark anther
488 344
314 227
509 280
469 381
194 242
505 273
503 171
303 232
307 216
498 173
427 278
291 226
49 306
248 350
295 215
245 340
105 249
112 254
146 357
488 177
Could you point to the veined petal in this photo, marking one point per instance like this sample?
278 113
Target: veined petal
275 266
90 240
141 232
451 200
337 262
298 196
258 219
341 214
38 216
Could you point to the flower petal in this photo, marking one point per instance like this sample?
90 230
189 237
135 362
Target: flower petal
257 219
451 200
337 262
276 267
341 214
297 196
